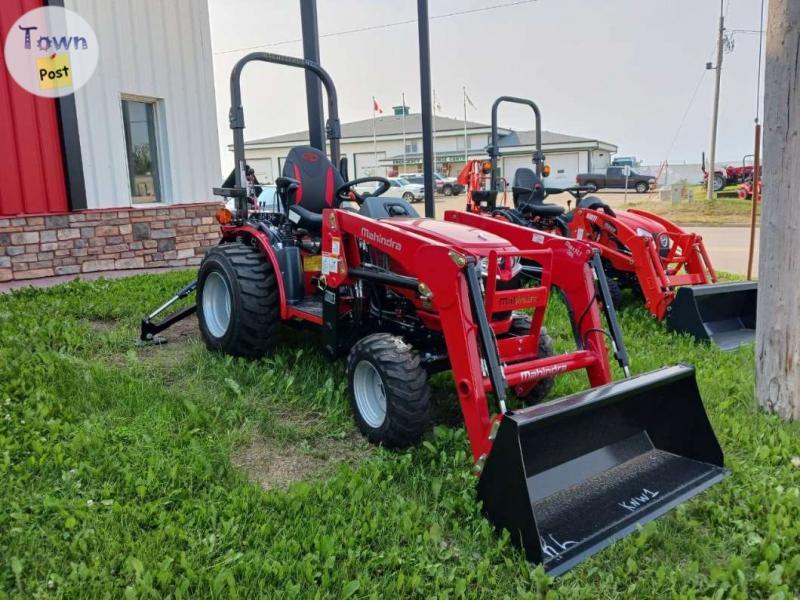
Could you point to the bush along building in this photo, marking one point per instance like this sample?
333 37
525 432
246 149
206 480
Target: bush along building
119 174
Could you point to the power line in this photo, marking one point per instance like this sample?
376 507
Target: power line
383 25
688 107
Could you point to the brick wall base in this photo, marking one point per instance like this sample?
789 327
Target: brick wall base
103 240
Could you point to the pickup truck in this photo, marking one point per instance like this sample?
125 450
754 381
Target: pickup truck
614 177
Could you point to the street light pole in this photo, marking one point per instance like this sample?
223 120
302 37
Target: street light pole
712 153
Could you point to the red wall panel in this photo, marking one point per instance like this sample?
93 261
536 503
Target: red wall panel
31 165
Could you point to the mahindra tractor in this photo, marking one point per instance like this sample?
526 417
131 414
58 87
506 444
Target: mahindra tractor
400 298
668 267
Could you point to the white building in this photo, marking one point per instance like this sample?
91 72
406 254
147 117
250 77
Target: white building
154 89
117 175
567 155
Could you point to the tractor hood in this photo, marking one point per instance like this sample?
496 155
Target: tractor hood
454 234
639 222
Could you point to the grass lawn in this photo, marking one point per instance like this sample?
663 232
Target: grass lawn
699 211
173 472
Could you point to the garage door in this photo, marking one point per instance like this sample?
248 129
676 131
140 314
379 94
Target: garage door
263 169
563 167
365 165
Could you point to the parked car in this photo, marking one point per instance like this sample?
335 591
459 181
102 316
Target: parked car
614 178
401 187
448 186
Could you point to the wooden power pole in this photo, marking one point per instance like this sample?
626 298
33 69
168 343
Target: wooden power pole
778 319
712 151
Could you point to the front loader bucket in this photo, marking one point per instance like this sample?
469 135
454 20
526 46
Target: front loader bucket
569 477
723 313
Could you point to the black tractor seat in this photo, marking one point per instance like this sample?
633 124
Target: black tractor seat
548 211
317 181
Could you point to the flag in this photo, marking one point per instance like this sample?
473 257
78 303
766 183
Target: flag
469 101
376 108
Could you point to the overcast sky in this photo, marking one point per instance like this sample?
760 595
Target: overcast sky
623 71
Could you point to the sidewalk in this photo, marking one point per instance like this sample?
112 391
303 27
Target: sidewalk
46 282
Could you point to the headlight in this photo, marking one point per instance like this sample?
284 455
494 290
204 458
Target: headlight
516 265
642 232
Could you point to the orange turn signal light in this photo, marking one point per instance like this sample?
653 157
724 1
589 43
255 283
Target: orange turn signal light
486 166
546 171
224 216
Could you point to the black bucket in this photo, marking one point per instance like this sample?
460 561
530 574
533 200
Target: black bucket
723 313
569 477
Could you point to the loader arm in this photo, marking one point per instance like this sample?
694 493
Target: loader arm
642 257
686 250
446 277
576 284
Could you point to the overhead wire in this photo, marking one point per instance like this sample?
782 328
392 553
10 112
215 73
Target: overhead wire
383 25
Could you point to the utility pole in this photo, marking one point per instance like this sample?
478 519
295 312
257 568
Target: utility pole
778 313
712 154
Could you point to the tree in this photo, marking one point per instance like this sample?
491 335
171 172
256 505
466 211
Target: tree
778 319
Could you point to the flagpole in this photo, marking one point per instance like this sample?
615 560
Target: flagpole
404 131
374 142
466 144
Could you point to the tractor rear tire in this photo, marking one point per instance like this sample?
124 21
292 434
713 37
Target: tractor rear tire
237 301
389 391
521 325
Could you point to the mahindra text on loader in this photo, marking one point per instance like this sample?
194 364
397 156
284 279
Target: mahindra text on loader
669 267
403 297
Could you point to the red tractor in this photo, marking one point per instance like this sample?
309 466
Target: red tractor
403 297
667 266
731 175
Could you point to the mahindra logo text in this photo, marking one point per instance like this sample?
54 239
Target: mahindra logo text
541 372
381 240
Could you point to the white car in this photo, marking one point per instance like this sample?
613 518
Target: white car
410 192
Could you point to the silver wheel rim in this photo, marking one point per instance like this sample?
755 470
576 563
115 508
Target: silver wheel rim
216 304
408 197
370 394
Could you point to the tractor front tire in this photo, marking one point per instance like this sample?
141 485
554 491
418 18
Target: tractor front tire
237 301
389 391
521 325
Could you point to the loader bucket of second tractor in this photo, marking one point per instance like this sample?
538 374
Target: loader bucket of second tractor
569 477
723 313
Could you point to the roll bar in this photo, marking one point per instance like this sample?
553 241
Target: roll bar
494 150
333 128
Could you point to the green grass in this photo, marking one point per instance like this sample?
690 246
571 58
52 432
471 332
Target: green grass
117 475
726 209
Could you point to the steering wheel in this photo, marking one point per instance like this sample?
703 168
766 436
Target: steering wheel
344 192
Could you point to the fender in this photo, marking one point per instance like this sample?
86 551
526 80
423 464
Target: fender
263 243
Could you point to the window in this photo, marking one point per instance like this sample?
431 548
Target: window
460 142
139 118
411 147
